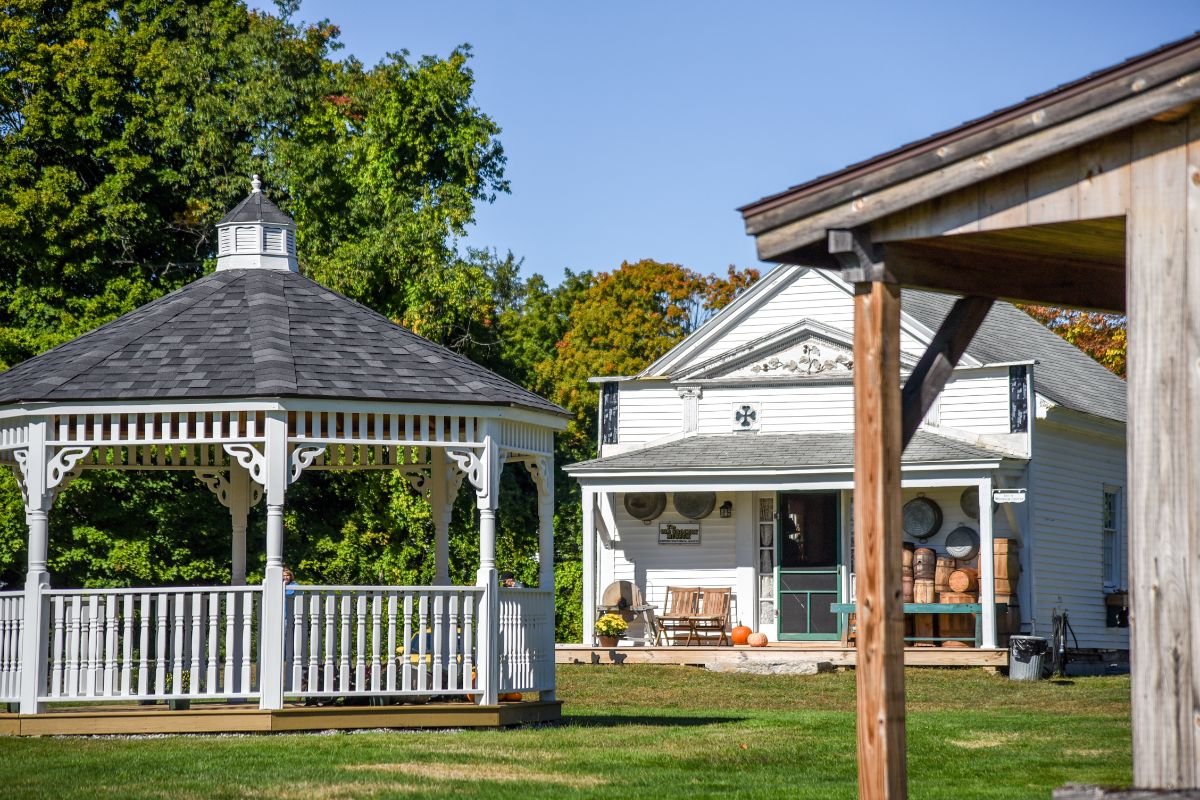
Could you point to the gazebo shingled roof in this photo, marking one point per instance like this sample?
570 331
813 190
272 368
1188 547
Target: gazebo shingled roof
257 333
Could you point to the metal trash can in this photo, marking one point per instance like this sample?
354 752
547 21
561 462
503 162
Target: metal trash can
1025 654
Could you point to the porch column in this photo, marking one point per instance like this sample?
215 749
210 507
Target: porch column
882 768
987 565
441 507
271 633
589 565
239 513
34 633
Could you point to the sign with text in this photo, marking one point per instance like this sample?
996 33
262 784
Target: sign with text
1008 496
679 533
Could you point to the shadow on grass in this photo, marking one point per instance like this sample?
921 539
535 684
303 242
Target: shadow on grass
624 720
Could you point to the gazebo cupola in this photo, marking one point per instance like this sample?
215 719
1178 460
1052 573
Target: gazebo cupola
256 235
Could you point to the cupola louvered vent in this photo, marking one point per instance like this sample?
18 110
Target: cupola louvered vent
246 239
273 239
256 235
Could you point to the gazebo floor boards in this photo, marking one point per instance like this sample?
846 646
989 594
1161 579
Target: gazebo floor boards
783 652
123 719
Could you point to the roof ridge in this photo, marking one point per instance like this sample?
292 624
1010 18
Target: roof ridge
274 361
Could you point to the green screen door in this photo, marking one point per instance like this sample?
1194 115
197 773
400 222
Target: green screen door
808 565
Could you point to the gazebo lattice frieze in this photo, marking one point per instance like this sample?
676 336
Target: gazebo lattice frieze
248 396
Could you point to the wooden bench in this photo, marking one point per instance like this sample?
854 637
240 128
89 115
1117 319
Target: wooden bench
702 614
850 609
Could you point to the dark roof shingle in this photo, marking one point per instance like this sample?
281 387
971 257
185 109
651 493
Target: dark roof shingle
749 450
258 333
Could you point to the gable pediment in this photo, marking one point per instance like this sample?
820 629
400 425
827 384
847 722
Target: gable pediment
806 349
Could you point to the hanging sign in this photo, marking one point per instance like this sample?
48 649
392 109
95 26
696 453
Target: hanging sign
679 533
1008 496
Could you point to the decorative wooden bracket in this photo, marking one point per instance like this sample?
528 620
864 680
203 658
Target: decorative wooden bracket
861 261
65 465
217 482
418 480
251 459
539 467
302 458
929 377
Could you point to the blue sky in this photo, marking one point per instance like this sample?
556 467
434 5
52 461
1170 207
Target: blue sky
634 129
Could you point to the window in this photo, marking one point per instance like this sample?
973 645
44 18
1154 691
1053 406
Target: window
1110 515
766 560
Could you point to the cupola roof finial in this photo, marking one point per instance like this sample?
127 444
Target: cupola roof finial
255 184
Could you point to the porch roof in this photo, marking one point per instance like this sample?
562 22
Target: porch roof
776 451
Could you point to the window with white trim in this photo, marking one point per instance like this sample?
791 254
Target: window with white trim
1110 525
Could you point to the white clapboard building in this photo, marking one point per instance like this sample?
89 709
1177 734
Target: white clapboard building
728 463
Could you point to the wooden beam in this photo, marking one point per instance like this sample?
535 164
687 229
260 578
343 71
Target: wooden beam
777 239
929 377
1054 281
1164 454
882 761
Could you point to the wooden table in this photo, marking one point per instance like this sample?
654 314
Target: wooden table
929 608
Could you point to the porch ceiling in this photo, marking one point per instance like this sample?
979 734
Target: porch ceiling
776 451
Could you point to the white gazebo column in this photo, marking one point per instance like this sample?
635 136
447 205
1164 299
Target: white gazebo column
542 470
34 633
270 646
987 567
589 565
239 514
441 503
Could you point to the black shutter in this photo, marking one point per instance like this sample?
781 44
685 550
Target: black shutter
608 412
1018 399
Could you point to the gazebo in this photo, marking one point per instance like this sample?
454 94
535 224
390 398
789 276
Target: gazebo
248 378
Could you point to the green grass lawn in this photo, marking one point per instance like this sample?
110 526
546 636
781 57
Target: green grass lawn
636 731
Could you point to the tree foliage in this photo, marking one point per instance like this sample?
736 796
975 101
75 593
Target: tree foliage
1101 336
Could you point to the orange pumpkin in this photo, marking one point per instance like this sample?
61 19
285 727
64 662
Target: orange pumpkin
510 697
757 639
740 634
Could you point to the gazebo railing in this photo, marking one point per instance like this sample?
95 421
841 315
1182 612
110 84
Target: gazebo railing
151 644
12 613
526 640
381 640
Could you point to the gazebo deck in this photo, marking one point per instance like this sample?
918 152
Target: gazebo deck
218 717
777 652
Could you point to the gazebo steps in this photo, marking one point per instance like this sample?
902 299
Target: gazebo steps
780 652
125 719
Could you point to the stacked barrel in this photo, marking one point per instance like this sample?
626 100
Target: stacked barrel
932 578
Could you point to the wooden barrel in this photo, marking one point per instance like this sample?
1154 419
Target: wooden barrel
941 573
1007 564
908 586
907 554
964 579
923 591
924 564
956 624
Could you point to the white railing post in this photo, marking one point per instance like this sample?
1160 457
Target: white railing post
34 629
272 617
487 664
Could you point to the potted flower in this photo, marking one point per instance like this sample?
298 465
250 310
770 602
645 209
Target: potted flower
610 628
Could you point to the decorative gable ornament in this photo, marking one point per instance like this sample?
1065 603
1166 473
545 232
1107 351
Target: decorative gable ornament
807 359
747 416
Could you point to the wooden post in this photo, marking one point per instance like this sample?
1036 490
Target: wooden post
487 495
239 513
441 502
589 565
987 566
1164 452
882 767
271 620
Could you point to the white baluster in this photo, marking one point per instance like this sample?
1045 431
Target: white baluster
360 648
468 639
161 640
144 646
344 654
178 641
328 683
422 642
391 642
196 608
247 631
407 681
56 653
92 648
298 610
314 643
376 644
213 654
73 641
230 685
454 676
110 646
126 644
439 666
